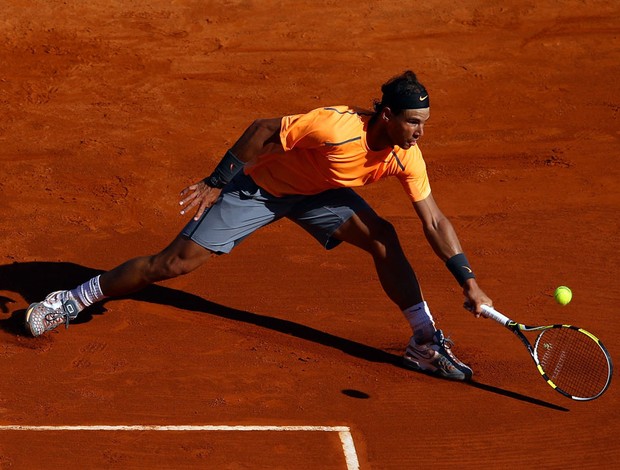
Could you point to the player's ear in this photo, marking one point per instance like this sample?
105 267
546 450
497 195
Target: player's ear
386 114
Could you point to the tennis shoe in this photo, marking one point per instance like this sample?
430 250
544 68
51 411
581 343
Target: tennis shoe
437 358
58 307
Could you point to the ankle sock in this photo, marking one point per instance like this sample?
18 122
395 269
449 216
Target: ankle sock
88 293
421 321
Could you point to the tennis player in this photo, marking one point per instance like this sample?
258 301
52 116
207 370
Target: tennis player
303 167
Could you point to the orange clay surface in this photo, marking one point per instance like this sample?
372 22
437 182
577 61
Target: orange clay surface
109 108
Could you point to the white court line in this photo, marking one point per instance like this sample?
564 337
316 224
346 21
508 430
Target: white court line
344 432
348 447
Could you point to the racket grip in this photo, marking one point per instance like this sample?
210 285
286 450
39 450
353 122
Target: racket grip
490 312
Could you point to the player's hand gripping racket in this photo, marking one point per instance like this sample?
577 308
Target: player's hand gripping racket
572 360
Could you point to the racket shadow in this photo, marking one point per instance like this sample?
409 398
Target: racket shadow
516 396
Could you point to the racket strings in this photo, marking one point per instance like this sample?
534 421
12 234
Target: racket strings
573 361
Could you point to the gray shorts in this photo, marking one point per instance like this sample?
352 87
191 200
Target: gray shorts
244 207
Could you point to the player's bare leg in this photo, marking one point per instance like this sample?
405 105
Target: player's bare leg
427 350
378 237
180 257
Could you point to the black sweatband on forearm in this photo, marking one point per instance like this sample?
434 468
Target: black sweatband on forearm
224 171
460 268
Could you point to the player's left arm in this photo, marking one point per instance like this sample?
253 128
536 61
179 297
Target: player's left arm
442 237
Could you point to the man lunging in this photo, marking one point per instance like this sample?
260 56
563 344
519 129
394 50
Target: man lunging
303 167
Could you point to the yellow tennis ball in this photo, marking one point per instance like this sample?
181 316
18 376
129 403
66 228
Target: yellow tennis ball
563 295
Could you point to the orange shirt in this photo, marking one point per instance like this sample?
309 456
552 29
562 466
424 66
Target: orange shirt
326 148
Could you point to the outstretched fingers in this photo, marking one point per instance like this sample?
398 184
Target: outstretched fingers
198 195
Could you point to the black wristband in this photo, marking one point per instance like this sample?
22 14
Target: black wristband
460 268
225 171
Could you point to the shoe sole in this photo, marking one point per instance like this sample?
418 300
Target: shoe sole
412 364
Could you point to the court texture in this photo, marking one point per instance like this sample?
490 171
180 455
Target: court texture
283 355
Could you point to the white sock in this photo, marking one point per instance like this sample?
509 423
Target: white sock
421 321
88 293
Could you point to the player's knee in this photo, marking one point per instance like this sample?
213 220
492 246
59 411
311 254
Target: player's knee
383 237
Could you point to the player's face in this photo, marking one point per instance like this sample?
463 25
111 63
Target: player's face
407 127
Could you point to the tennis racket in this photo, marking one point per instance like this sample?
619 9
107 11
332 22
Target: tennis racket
571 360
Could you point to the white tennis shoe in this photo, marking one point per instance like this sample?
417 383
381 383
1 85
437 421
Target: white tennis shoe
57 308
436 357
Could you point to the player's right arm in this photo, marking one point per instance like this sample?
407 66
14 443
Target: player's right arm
262 136
442 237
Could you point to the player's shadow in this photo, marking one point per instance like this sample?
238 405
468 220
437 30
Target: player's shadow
34 280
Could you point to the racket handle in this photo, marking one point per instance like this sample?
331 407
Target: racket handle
490 312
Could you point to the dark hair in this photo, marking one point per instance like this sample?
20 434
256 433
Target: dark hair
397 89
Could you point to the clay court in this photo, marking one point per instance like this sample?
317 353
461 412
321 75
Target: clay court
283 355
